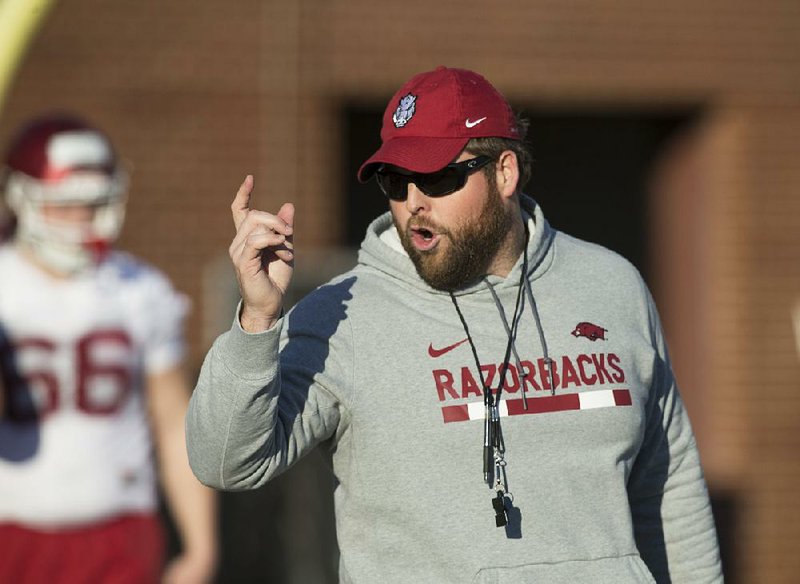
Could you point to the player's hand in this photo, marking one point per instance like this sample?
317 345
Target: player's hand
263 258
189 569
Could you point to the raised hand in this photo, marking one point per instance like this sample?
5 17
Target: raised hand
263 257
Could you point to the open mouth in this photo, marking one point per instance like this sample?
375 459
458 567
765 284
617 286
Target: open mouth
424 239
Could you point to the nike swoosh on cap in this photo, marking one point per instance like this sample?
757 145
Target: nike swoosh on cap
439 352
470 124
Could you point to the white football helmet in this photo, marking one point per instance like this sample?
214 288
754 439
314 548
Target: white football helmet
62 160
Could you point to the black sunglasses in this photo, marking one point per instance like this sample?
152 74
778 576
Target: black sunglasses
434 184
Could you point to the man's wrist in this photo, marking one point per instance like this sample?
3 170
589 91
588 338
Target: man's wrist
256 323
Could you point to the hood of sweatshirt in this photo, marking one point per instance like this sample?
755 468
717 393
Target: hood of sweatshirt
382 251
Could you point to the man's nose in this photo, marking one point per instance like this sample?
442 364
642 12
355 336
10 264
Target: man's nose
416 200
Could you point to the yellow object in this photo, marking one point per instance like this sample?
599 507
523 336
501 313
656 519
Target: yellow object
19 21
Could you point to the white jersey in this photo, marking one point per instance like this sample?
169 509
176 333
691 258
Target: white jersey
74 440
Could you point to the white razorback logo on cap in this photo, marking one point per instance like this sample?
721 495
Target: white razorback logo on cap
405 111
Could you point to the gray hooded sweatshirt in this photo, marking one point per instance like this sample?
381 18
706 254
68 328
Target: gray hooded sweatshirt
602 472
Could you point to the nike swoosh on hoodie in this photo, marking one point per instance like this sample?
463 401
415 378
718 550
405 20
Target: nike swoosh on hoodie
439 352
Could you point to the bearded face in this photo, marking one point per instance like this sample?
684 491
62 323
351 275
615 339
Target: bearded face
465 251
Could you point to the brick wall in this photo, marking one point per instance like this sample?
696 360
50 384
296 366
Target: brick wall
200 92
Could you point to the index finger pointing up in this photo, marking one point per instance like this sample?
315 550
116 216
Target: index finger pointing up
241 202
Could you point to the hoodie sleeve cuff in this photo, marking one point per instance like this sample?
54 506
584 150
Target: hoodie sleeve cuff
250 355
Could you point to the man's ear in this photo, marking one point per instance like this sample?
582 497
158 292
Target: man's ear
507 173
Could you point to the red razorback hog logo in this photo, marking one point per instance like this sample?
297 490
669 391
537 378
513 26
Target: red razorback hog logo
590 331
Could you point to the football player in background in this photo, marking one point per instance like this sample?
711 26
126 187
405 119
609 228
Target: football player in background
7 224
92 380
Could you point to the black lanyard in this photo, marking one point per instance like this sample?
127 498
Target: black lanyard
493 444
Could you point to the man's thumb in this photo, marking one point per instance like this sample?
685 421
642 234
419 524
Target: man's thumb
287 213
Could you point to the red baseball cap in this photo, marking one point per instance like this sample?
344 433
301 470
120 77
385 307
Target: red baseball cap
432 117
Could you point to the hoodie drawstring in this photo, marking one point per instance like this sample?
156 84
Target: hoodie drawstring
548 361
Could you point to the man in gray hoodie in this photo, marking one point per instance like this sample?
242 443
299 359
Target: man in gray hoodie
497 395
